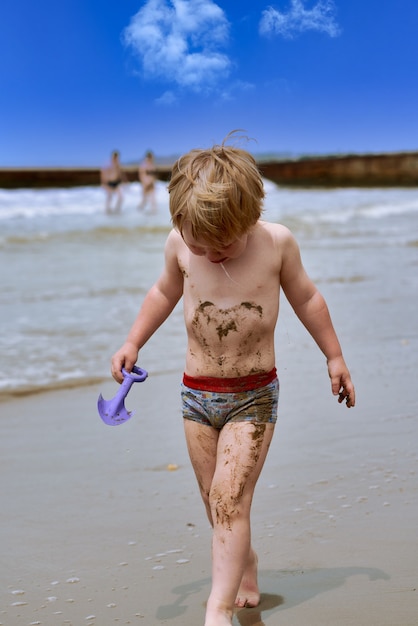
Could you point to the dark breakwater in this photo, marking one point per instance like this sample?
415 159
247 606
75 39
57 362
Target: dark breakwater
53 177
367 170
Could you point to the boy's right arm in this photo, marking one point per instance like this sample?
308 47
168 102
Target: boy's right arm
156 307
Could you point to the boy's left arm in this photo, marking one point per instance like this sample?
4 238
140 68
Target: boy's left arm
312 310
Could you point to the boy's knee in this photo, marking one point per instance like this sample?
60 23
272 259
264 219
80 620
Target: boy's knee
225 507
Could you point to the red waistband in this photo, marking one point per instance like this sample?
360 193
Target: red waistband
230 385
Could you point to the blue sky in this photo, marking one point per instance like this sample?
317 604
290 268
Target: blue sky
79 78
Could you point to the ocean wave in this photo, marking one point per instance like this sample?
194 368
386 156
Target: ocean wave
27 215
14 389
11 389
342 206
87 201
76 293
99 232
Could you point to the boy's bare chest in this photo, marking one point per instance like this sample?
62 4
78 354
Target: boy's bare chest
223 308
210 320
223 289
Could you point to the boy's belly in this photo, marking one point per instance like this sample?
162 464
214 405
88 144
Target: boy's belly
229 342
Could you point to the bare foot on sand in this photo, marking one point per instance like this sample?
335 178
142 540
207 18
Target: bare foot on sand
248 594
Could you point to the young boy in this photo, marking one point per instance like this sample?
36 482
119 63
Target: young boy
229 267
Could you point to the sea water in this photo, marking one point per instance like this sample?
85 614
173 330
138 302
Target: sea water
72 277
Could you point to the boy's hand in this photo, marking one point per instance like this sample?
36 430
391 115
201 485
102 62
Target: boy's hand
125 357
341 382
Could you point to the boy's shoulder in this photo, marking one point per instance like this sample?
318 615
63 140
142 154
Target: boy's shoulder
174 236
275 230
174 241
276 237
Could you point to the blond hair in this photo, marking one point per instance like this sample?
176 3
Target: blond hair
219 191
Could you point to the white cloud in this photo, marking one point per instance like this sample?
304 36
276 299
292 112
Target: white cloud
181 41
235 90
167 99
321 17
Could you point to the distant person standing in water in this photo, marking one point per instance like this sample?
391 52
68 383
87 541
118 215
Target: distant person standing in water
112 178
147 178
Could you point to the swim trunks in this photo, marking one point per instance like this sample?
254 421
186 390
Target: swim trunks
219 401
113 183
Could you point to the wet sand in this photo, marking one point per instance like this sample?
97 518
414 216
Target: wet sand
103 525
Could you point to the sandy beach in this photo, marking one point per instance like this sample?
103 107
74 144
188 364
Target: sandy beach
103 525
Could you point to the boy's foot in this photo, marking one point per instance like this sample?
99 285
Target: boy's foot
248 593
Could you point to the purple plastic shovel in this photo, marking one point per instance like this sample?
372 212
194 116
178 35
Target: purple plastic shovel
113 411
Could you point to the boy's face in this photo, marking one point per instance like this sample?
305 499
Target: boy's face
214 254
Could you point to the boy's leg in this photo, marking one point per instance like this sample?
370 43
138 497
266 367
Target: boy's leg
227 467
202 444
242 450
